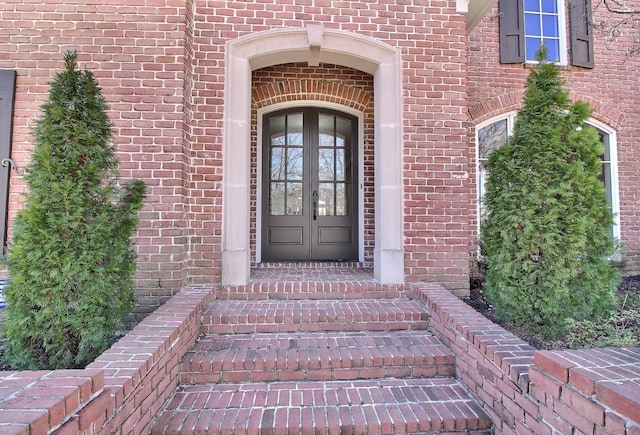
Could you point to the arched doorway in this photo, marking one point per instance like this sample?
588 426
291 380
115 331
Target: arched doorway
313 44
309 185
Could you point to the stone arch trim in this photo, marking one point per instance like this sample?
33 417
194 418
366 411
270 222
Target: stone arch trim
319 90
314 45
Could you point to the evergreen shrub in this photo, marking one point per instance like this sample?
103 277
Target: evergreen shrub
71 259
546 237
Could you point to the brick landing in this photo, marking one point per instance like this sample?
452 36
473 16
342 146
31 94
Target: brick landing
330 363
378 406
298 281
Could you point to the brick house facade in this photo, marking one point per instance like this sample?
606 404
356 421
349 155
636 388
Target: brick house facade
191 86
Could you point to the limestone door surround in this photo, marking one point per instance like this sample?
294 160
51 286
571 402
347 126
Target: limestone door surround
313 44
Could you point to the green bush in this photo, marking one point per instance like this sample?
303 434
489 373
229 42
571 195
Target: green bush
546 237
71 259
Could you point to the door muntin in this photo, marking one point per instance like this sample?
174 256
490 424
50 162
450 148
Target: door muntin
310 202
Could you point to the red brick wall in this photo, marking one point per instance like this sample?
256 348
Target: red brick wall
612 88
137 55
161 68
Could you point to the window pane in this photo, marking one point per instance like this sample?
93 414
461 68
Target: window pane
550 6
531 5
550 25
532 46
492 137
532 25
276 199
553 49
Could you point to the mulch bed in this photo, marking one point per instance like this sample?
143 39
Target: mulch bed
477 300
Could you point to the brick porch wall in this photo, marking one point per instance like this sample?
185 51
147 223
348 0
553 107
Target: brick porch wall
121 391
590 391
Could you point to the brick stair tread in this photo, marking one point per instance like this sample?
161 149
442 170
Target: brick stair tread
383 406
267 316
316 356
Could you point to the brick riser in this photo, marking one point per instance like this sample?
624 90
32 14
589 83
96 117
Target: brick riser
316 357
238 317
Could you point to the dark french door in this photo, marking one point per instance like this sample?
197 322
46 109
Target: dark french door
310 195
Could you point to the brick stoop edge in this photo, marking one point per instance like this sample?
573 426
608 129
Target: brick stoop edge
524 391
590 391
121 391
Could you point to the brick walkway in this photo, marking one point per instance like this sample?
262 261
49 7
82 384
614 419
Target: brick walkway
331 363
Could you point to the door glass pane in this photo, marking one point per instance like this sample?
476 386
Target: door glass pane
294 163
294 129
340 165
326 200
276 199
294 199
492 137
277 164
276 128
341 199
343 130
325 164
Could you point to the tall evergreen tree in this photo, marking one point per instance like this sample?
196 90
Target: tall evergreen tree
71 260
546 236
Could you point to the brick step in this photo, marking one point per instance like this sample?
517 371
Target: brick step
249 317
383 406
317 356
311 281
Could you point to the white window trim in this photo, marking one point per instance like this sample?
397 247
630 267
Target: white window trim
613 162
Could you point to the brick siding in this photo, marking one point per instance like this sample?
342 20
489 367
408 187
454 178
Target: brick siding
612 89
161 66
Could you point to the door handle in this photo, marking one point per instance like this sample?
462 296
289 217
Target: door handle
315 204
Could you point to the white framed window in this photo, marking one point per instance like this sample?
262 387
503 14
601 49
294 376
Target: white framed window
492 134
525 24
544 23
